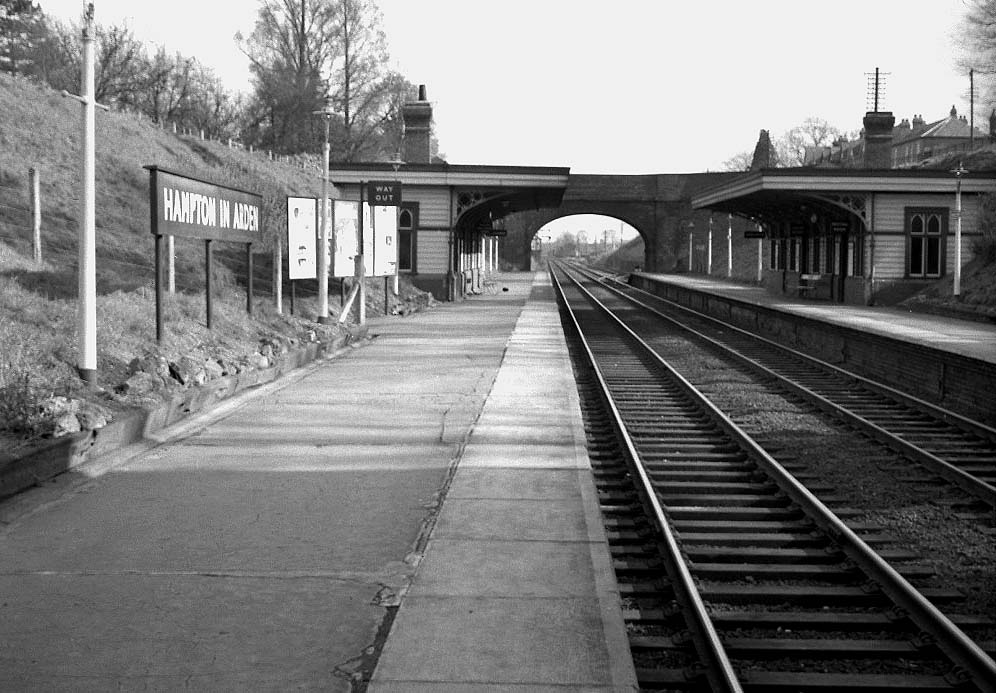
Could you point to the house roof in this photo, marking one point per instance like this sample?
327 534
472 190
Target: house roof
953 126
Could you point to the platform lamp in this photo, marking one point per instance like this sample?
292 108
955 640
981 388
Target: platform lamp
396 164
323 234
958 172
691 239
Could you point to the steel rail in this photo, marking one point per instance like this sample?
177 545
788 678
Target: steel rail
960 648
718 669
967 482
954 418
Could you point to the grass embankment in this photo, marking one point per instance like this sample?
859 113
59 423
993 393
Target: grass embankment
38 350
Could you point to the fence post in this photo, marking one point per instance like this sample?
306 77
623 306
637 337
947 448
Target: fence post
278 288
171 274
35 213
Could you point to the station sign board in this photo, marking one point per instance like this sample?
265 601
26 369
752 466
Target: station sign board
385 193
194 208
753 234
496 232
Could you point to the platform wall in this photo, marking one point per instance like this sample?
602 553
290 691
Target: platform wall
950 380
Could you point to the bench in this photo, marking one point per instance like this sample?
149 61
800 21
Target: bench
808 282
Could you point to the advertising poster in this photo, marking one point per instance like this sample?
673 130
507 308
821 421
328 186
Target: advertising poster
368 239
302 238
346 216
385 245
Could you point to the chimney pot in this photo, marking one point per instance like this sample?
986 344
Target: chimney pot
421 93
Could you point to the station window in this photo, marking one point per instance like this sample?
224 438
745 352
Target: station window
926 230
406 237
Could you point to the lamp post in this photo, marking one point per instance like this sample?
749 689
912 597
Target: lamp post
323 233
691 238
709 249
959 172
729 245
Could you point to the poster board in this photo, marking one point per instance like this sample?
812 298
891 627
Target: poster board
380 239
346 223
302 238
385 241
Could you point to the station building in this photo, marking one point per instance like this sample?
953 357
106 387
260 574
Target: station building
861 236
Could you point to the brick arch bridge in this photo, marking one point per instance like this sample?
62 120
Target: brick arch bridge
658 206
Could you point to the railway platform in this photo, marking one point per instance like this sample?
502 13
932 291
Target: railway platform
975 340
427 495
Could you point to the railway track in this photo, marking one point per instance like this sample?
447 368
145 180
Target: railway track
955 448
735 576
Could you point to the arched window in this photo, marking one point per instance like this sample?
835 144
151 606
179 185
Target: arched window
925 229
406 237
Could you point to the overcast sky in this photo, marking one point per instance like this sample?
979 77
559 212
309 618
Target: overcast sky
628 86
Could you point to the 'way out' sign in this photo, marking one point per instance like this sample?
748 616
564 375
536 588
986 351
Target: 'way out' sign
384 193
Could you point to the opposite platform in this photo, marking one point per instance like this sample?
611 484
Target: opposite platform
516 590
976 340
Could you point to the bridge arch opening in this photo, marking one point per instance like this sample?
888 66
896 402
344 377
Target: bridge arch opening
596 238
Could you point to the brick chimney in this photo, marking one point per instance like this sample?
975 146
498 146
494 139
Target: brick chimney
878 139
417 119
763 152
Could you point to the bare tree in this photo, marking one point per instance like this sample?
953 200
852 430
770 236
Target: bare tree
290 49
739 162
364 90
814 132
977 45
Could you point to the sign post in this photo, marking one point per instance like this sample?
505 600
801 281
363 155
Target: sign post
194 208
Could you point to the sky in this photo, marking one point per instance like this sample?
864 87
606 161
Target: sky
628 86
624 87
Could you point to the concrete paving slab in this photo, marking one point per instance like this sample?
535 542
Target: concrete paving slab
485 649
548 519
498 567
182 519
103 631
467 687
523 456
526 484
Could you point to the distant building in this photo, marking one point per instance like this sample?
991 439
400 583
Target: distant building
883 144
